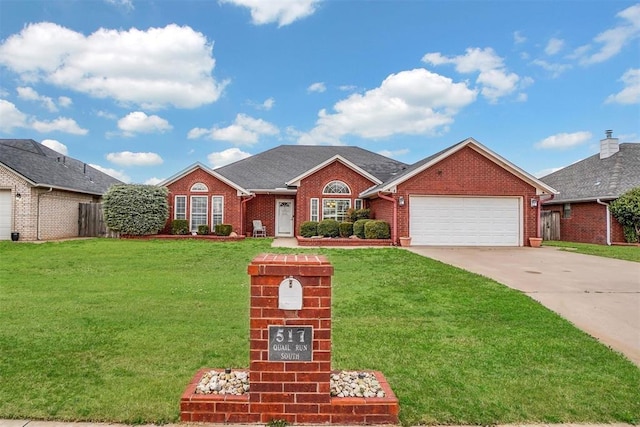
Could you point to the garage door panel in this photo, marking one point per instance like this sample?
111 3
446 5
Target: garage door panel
465 221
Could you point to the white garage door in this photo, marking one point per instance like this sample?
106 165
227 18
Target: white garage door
465 221
5 214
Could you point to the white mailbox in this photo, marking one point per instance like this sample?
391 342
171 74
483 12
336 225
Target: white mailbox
290 294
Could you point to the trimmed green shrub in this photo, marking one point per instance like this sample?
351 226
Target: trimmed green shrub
361 214
377 229
136 209
309 229
203 229
329 228
223 229
346 229
180 226
358 227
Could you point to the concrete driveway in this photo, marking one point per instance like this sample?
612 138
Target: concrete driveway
599 295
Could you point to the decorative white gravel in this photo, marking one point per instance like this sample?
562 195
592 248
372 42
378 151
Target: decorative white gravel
343 384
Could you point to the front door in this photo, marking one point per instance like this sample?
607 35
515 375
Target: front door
284 218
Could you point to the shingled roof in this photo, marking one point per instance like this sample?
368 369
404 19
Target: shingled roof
595 178
272 169
44 167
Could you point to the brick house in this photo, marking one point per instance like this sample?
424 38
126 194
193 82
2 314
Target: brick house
41 189
465 195
587 187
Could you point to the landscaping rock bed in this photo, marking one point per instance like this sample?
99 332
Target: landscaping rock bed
343 384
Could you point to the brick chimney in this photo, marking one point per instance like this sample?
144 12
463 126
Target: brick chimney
608 146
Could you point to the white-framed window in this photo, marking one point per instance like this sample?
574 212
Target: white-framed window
198 211
357 204
199 187
314 214
336 187
335 209
217 210
180 207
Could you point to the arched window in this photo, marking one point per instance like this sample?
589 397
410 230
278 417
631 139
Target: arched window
199 187
336 187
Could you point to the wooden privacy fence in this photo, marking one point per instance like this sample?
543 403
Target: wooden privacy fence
90 220
550 223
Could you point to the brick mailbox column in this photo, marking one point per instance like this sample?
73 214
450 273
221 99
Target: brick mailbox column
290 360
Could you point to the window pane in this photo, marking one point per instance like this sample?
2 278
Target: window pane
218 209
335 209
198 211
198 186
314 210
180 207
336 187
357 203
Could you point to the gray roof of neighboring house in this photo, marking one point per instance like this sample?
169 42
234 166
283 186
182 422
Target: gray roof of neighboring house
594 178
273 168
45 167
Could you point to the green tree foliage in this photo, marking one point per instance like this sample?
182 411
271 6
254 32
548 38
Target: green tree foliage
136 209
626 209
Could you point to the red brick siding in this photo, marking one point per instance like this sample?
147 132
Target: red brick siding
232 202
312 186
464 173
587 224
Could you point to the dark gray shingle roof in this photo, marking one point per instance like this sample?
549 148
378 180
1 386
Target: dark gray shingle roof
594 178
48 168
273 168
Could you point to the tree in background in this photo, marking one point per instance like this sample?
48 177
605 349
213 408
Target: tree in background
626 209
136 209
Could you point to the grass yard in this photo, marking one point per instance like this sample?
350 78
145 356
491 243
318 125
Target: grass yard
113 330
627 253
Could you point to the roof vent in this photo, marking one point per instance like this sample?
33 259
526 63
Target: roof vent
608 146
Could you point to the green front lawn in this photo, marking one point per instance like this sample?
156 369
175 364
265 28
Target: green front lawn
627 253
113 330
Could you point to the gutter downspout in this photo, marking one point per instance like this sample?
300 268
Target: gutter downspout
243 213
38 212
394 232
598 201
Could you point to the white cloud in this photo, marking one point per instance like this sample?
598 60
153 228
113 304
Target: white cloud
139 122
611 41
65 101
518 38
153 181
134 66
245 130
121 175
11 117
106 115
30 94
225 157
416 102
493 76
317 87
61 124
554 46
394 153
284 12
56 146
268 104
126 4
127 158
631 92
555 69
564 140
348 88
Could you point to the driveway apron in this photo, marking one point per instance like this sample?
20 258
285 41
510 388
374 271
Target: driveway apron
599 295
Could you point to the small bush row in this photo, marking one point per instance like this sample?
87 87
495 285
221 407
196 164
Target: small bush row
181 226
363 228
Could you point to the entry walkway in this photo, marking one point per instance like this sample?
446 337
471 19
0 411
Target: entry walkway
599 295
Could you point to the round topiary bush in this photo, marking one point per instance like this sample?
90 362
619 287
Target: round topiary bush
223 229
358 227
377 229
309 229
135 209
329 228
346 229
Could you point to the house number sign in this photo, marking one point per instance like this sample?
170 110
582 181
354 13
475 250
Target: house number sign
290 343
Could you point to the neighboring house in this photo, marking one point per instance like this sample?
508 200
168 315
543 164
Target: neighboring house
465 195
41 189
588 186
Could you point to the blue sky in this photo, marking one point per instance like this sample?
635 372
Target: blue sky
142 89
